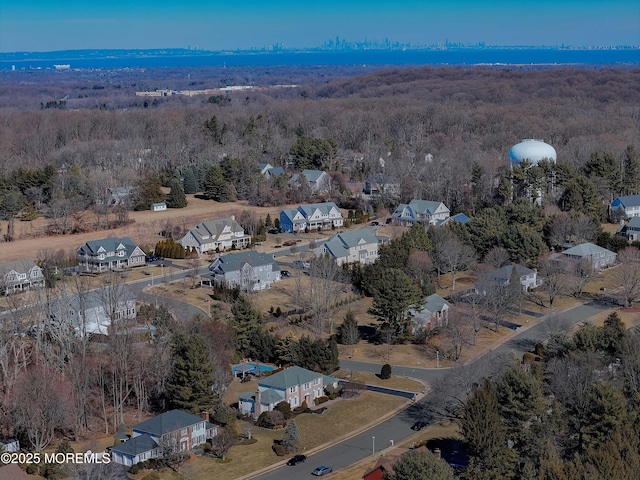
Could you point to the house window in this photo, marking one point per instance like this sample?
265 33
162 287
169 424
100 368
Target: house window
293 389
306 386
184 431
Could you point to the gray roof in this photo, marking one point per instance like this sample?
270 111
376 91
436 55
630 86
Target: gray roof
136 445
235 261
420 207
270 396
290 377
586 250
312 176
111 244
167 422
627 201
325 208
275 171
506 271
209 231
434 303
382 179
19 266
95 298
339 244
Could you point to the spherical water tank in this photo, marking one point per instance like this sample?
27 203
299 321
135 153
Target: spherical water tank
532 150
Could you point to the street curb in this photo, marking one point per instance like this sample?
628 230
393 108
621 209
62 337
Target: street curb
335 441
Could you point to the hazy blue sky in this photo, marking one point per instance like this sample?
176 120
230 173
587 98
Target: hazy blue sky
46 25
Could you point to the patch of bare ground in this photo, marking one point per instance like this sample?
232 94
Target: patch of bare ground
145 229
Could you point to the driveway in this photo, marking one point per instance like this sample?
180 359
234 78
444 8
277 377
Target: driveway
398 428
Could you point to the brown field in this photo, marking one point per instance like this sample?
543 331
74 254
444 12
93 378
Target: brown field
144 230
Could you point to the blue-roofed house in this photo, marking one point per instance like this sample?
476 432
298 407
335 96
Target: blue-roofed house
294 385
434 314
629 204
426 212
268 170
110 254
352 246
313 216
458 218
319 181
250 270
630 230
169 432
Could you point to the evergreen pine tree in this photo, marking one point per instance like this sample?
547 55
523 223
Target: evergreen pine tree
267 221
190 181
190 379
176 198
631 178
215 186
291 440
418 464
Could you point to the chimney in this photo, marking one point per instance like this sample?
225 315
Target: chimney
437 452
233 217
205 415
257 407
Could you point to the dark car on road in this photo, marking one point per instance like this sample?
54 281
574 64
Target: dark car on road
297 459
273 231
419 425
322 470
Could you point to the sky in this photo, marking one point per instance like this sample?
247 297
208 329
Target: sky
49 25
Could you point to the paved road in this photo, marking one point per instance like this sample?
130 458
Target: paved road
397 428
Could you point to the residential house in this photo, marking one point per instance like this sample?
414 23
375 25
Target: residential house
212 235
312 216
115 196
420 211
110 254
268 170
250 270
528 278
319 181
169 432
434 314
352 246
382 184
630 230
93 311
385 463
158 207
598 257
293 385
628 204
458 218
19 276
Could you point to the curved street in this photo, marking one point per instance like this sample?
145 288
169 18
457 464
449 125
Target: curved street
397 428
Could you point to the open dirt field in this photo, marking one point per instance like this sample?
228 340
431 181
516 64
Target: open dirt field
145 229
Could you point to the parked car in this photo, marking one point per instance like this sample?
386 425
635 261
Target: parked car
375 224
285 273
322 470
273 231
299 264
419 425
297 459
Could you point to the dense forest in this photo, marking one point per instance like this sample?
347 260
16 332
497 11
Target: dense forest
444 133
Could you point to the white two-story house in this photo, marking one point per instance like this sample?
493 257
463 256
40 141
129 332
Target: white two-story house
425 212
110 254
312 216
353 246
293 385
19 276
212 235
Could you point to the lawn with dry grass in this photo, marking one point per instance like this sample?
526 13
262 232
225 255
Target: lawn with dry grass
341 418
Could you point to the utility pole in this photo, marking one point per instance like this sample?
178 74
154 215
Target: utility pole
374 445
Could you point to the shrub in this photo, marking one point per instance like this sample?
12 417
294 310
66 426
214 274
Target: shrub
134 469
385 372
284 408
270 419
539 349
279 450
528 357
321 400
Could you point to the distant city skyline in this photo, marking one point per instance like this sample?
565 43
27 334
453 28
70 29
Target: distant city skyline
41 26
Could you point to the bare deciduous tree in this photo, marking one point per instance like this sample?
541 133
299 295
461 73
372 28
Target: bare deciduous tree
627 275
